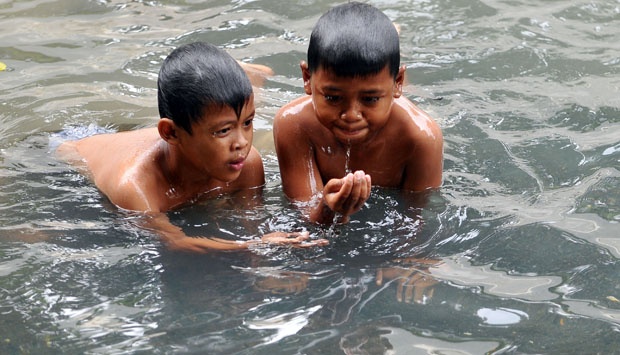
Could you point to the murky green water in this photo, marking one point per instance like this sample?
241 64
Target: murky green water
518 252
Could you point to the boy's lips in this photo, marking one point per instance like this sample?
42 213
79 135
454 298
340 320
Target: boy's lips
351 131
237 164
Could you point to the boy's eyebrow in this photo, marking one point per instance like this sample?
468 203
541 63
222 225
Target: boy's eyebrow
253 113
365 92
232 121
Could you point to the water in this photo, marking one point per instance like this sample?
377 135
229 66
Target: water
517 253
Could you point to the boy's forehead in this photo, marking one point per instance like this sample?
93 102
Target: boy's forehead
328 74
217 112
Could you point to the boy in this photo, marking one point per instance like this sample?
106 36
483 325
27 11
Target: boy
202 145
354 119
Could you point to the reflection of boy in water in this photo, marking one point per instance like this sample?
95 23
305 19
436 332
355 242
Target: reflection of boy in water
202 145
354 119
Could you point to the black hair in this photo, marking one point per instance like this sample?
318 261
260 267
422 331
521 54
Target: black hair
196 77
354 39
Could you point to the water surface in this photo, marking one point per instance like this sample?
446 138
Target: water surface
517 253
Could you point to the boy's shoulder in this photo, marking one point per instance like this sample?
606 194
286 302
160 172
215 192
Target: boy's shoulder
410 128
109 149
296 117
299 107
116 162
408 116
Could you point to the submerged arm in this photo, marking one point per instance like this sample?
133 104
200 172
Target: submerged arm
175 239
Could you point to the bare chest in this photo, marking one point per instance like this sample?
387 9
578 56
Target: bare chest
386 166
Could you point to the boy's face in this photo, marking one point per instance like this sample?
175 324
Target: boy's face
220 142
353 109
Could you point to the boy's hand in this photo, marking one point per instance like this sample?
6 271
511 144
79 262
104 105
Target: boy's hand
347 195
412 284
298 239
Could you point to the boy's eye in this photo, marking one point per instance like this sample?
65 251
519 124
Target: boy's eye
371 99
332 98
248 123
221 132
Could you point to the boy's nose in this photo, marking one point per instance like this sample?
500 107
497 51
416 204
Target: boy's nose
240 141
353 113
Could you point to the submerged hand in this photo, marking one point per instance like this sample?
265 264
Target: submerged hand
289 282
347 195
413 285
298 239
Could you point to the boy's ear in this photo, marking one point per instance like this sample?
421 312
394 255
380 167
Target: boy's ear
168 130
305 74
398 83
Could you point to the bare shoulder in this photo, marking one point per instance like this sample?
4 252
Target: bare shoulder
293 121
425 144
415 123
118 164
421 120
295 111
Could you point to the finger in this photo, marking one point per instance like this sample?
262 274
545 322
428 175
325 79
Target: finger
368 185
311 243
409 288
363 197
399 291
333 186
379 278
421 295
322 242
342 196
418 297
356 190
409 285
300 237
347 186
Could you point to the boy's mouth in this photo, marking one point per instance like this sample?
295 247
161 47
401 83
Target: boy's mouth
237 164
350 132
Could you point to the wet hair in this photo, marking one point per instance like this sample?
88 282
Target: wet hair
198 77
354 39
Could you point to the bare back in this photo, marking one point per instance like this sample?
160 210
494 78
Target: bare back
128 167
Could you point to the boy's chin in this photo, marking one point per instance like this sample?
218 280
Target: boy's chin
352 139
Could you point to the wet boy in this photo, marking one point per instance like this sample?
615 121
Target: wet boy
354 119
202 145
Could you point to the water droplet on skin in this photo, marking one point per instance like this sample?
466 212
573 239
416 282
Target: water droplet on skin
171 193
347 169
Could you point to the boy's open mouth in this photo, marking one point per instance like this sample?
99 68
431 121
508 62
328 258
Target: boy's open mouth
237 164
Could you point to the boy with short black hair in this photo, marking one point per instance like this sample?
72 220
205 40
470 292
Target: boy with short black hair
202 145
354 124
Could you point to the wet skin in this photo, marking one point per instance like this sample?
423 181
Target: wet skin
154 170
363 123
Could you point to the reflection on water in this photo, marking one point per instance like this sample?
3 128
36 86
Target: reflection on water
518 252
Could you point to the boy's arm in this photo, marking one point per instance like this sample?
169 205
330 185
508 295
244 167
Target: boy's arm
175 239
301 178
425 165
257 73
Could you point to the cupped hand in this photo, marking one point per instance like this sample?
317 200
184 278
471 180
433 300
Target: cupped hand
347 195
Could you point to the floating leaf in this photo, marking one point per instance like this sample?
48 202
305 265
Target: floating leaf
2 66
613 299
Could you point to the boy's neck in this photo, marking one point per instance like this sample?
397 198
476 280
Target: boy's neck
177 174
